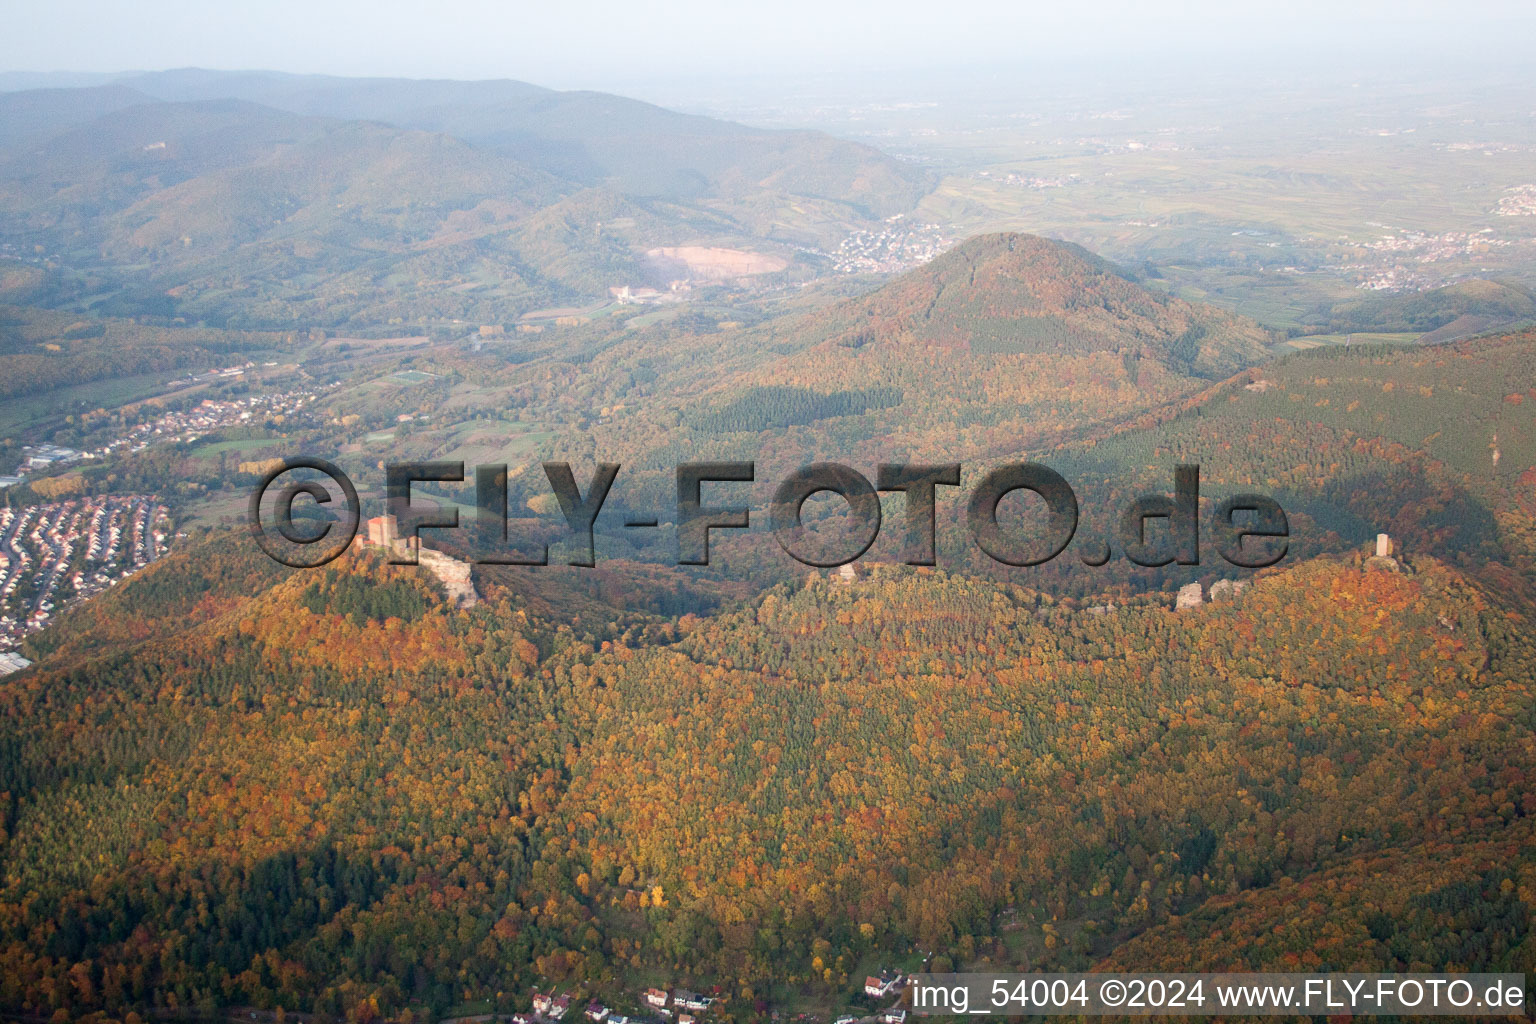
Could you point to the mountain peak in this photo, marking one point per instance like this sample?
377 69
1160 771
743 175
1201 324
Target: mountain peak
1012 293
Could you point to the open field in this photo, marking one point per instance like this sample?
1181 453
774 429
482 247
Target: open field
1319 340
376 343
31 412
715 263
243 445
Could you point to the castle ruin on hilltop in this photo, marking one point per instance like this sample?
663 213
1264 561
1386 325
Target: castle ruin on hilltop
453 574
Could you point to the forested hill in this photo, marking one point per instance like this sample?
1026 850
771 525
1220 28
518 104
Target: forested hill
1013 293
342 795
227 784
1006 344
1435 446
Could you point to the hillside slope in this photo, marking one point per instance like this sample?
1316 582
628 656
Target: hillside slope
1434 445
352 795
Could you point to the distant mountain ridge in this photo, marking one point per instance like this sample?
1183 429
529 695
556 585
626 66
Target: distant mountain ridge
587 137
173 192
39 114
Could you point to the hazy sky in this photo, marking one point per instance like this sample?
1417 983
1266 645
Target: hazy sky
597 43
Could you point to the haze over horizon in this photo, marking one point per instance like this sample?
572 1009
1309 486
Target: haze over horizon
606 45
